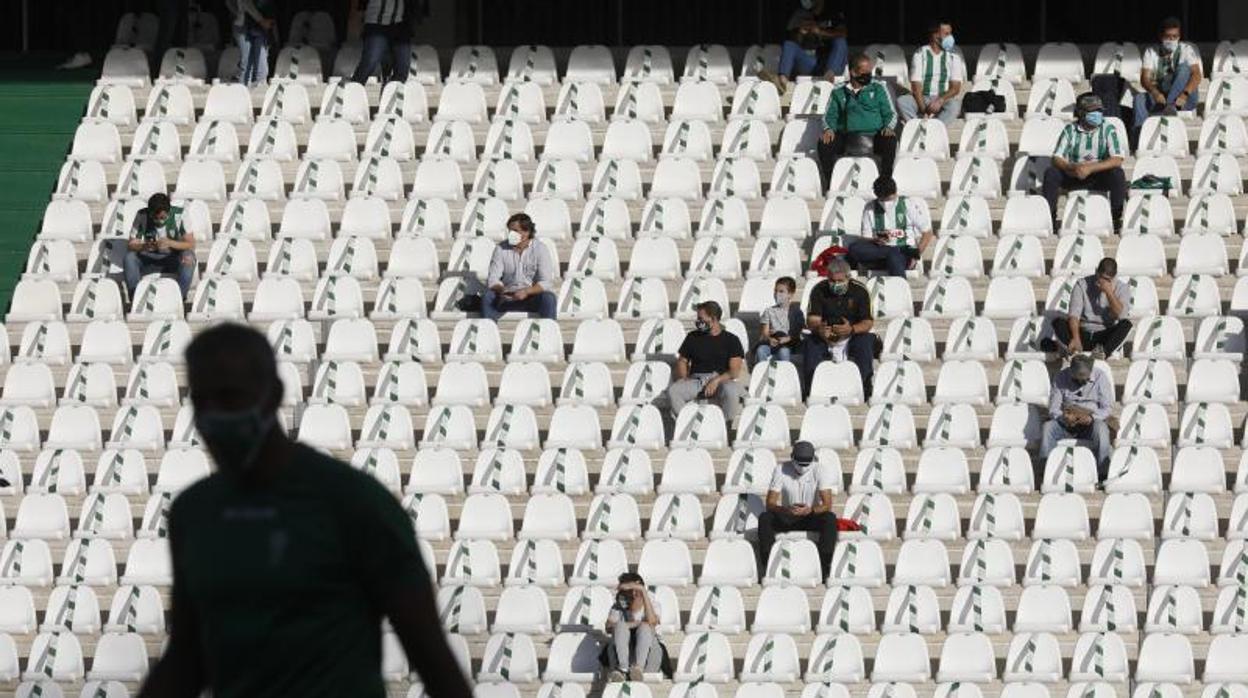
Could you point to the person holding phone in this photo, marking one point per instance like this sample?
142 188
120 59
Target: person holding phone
895 231
799 498
781 324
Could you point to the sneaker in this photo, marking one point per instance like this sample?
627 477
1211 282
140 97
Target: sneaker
1098 353
1048 344
1170 110
615 676
634 674
81 59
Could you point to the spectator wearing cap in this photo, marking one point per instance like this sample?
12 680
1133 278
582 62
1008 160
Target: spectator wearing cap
520 274
1097 318
1088 156
1079 405
937 73
1170 75
895 231
838 324
707 365
799 499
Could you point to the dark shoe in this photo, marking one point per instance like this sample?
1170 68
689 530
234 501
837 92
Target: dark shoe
1098 353
1169 110
1049 345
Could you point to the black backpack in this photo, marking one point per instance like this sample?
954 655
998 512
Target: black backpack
1109 87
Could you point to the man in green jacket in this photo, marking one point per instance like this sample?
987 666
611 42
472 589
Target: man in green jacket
859 121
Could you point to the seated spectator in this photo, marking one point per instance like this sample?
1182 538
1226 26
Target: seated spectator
839 323
781 324
1088 156
799 499
1079 404
815 32
937 73
707 364
1096 320
859 121
159 244
520 271
1170 76
895 231
635 647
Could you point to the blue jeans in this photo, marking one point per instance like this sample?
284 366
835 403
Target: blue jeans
1144 102
378 40
794 60
872 255
253 55
764 352
137 265
544 304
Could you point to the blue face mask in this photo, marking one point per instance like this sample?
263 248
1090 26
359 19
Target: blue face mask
947 43
1094 118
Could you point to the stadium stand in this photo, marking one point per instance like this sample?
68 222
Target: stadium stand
348 222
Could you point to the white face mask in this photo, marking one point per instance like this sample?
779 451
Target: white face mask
1170 45
514 237
782 298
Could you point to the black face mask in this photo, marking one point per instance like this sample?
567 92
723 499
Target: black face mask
861 78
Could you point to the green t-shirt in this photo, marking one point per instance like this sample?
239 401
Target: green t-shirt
287 582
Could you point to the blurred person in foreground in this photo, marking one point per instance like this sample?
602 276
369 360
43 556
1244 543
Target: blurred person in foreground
285 560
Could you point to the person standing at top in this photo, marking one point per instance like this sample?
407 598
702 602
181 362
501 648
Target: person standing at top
388 26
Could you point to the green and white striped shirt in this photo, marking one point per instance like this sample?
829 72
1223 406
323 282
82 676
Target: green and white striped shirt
1078 145
934 71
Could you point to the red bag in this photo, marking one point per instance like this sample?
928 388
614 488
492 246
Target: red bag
820 265
847 525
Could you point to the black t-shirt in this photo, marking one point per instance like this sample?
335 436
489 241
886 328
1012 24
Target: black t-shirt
710 353
288 582
854 305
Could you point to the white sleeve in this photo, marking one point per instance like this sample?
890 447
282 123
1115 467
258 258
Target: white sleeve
922 216
867 229
1149 61
916 66
958 73
826 478
1188 54
775 478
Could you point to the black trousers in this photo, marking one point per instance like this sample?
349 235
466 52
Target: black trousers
1113 181
770 523
1109 338
884 148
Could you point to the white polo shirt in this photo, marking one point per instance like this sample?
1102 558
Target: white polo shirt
800 486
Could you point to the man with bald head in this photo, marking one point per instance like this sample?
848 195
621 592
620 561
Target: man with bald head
285 560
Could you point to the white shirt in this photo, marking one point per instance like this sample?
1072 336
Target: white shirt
918 221
955 70
800 486
1187 56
